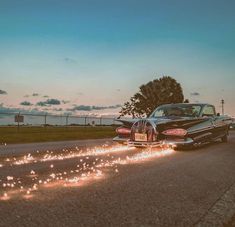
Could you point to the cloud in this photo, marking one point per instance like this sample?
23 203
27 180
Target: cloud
81 108
26 103
53 101
105 107
69 60
90 108
4 109
35 94
41 104
195 94
3 92
49 102
57 109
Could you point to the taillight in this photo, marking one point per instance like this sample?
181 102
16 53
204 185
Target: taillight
175 132
122 130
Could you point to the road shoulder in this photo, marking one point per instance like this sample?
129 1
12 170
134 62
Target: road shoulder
222 211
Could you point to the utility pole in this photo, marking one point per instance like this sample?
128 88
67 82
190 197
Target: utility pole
45 119
67 120
222 105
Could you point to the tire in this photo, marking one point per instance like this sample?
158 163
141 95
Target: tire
224 139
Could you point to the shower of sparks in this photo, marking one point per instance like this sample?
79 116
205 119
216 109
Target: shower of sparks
67 154
88 166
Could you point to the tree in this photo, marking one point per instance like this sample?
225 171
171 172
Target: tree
151 95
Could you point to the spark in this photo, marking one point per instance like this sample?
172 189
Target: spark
32 172
10 178
50 156
88 168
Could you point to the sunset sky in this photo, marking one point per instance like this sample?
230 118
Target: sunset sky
97 53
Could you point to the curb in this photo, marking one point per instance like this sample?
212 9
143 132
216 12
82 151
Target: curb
221 212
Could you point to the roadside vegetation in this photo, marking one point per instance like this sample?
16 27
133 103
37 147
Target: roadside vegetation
153 94
11 135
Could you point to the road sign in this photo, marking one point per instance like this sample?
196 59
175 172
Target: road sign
19 118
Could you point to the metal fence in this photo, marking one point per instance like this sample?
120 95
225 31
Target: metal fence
30 119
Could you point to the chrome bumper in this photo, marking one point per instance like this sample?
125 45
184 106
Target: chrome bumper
144 144
127 141
120 140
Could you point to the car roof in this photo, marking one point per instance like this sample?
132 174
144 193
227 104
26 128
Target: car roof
185 104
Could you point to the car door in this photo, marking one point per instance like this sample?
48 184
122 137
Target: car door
219 126
209 113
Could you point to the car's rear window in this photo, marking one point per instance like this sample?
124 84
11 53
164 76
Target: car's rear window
177 110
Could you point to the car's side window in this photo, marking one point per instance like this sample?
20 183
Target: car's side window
208 111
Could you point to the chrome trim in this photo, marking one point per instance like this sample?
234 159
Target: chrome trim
144 126
200 130
188 141
144 144
120 140
205 135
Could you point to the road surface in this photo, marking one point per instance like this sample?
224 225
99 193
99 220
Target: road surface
117 186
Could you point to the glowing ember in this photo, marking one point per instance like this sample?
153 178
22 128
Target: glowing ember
89 166
10 178
32 172
50 156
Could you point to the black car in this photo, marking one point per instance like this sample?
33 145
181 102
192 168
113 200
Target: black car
232 126
179 125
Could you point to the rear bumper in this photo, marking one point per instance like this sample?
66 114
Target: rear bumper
121 140
186 142
144 144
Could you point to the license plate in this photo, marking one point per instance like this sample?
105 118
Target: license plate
140 137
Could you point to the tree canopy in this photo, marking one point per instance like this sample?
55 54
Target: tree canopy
151 95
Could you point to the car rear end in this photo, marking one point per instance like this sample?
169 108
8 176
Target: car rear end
146 133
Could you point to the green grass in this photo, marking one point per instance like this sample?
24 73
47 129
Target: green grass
11 135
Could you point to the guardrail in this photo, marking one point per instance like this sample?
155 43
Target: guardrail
31 119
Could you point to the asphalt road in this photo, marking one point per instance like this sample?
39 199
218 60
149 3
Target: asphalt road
59 145
117 186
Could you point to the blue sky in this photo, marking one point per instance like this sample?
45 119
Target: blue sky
100 52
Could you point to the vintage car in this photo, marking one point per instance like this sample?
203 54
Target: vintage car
232 126
179 125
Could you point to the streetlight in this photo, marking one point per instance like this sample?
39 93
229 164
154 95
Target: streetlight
222 103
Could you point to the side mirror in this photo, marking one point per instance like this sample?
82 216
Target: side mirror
218 114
